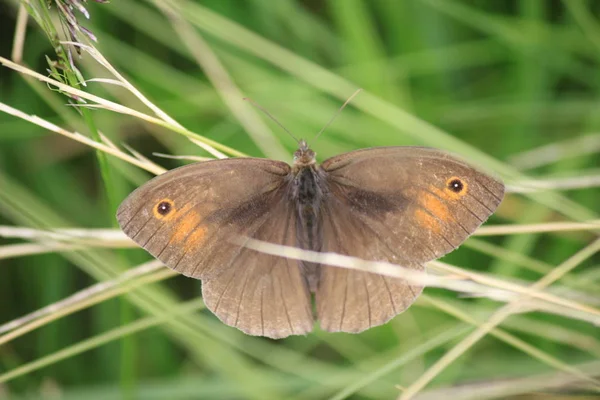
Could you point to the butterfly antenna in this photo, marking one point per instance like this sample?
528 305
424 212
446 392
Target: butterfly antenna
268 114
337 113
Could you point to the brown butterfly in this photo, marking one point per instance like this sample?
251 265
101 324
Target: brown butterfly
403 205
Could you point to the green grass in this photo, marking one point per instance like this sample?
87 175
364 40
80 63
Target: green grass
487 80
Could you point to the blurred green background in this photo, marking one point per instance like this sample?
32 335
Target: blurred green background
488 80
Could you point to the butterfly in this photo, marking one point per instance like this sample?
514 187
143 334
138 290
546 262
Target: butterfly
402 205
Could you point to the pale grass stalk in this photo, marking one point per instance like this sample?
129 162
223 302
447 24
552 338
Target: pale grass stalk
575 282
568 183
104 139
554 152
19 36
459 280
108 81
136 154
115 107
497 318
114 236
456 279
153 168
223 83
79 304
96 55
182 157
119 239
507 388
108 105
75 300
507 337
379 372
28 249
516 289
562 334
96 341
378 267
466 317
495 230
211 150
515 257
473 315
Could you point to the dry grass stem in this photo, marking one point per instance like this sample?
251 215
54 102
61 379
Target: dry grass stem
115 107
151 167
471 283
554 152
230 94
20 33
568 183
497 318
493 230
456 279
503 388
117 238
83 299
182 157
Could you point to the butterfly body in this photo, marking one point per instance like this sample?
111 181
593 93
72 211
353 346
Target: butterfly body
307 192
403 205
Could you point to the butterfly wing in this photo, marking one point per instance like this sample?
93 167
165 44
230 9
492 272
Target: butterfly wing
402 205
194 220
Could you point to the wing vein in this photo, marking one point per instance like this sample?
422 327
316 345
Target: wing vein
141 229
364 279
287 312
223 292
241 298
488 190
345 299
389 292
480 202
262 306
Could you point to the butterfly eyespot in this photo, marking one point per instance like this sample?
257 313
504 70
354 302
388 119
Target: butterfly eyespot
456 186
163 208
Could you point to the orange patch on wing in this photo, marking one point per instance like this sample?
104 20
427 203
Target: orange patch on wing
187 223
428 221
195 238
435 205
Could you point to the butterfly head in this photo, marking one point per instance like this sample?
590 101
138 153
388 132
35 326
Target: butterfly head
304 156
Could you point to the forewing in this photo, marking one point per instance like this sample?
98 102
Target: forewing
210 205
397 205
404 194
